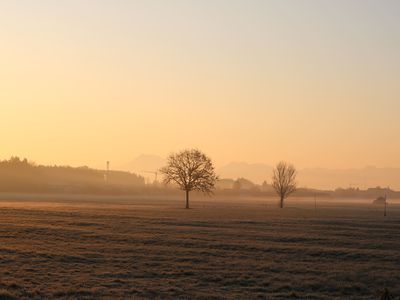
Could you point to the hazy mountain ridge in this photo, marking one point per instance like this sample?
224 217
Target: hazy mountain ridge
144 163
362 178
21 176
321 178
257 172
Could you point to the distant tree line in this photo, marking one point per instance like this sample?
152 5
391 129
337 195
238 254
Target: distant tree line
188 170
20 175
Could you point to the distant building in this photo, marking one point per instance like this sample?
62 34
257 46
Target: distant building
379 200
225 184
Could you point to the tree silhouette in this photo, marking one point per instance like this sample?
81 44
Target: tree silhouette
386 295
191 170
284 180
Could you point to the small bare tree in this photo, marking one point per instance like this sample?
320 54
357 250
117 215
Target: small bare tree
191 170
284 180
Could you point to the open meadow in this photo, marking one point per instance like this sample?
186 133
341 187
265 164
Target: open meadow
121 248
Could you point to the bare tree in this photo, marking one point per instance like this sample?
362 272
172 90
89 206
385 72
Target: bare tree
386 295
284 180
191 170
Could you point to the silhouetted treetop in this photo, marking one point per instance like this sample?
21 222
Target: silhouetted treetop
191 170
284 180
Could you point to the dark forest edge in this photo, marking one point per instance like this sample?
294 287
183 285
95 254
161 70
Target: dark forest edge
22 176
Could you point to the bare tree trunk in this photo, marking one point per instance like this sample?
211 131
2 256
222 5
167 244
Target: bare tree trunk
281 202
187 199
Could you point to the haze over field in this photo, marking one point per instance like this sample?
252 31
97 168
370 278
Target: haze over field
310 82
320 178
199 149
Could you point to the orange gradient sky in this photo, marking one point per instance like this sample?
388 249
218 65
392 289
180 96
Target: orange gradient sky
316 83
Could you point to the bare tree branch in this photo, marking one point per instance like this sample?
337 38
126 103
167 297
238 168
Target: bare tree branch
191 170
284 180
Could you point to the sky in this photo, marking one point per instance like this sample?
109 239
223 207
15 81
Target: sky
315 83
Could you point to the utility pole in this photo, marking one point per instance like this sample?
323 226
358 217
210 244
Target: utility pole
315 201
385 210
107 172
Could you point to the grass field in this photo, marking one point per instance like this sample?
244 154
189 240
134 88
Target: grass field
152 248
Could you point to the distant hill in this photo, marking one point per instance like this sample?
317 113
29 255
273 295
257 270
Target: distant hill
327 179
18 175
362 178
21 176
254 172
320 178
144 162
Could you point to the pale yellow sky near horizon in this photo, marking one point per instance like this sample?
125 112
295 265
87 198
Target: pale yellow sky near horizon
315 83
